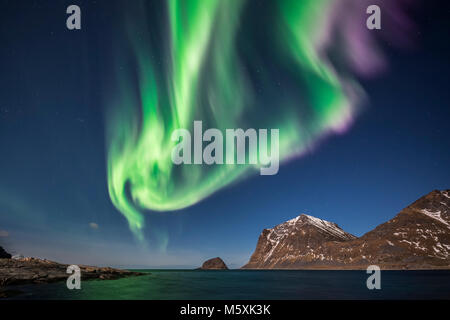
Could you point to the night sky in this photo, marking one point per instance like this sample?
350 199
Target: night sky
54 200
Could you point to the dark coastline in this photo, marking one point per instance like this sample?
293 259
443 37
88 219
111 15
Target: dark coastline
38 271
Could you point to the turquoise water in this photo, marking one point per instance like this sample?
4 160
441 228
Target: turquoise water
246 284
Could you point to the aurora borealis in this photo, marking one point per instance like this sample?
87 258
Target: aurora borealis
216 69
61 90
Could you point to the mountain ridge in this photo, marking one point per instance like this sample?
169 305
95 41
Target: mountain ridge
418 237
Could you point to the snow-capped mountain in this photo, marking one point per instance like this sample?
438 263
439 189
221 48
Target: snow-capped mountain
417 238
295 240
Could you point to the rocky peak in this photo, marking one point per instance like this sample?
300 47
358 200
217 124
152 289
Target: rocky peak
307 227
435 205
421 230
328 228
278 246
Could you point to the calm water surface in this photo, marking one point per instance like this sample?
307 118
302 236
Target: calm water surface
246 284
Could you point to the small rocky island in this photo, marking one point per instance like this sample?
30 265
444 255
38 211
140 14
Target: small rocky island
33 270
214 264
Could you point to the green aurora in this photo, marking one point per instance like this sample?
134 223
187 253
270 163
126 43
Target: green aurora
216 70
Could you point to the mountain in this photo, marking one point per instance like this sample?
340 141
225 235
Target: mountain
416 238
295 242
214 264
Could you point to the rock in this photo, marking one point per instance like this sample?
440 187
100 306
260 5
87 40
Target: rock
4 254
417 238
32 270
214 264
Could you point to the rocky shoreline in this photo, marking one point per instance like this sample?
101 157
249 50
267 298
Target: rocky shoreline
32 270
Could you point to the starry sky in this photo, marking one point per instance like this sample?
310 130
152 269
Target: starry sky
54 200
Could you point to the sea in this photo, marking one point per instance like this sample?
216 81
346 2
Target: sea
250 285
